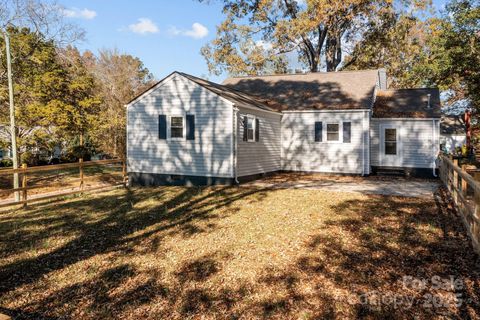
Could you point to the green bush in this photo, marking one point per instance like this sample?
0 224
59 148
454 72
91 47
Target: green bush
6 163
28 158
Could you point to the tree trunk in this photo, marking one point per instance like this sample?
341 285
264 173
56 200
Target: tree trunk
333 50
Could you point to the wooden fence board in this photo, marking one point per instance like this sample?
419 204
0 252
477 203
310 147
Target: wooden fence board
24 170
457 180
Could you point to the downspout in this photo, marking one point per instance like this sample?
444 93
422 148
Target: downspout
434 149
235 143
363 145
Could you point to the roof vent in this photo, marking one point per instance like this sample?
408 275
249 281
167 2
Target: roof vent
428 101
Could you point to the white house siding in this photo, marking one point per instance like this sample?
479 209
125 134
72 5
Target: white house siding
262 156
418 141
452 141
300 152
210 154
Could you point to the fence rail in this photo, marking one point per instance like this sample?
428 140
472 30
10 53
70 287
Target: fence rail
22 192
465 191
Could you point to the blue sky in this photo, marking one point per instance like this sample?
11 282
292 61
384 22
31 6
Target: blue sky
165 34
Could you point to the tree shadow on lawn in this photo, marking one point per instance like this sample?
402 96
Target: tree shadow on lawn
112 231
352 268
366 259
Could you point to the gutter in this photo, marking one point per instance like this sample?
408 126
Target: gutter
235 143
363 145
434 149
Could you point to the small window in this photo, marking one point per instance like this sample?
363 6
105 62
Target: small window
251 128
391 141
333 132
176 127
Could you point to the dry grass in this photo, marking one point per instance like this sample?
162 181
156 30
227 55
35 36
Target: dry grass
63 180
225 252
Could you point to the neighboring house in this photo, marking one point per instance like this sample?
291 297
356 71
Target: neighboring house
186 130
5 153
453 133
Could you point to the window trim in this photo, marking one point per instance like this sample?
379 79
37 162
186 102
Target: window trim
169 127
390 141
390 159
254 127
340 132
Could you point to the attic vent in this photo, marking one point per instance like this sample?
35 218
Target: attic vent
428 100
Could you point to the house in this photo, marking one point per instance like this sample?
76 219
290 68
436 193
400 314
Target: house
453 133
186 130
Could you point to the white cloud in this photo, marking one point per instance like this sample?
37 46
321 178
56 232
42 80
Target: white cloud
79 13
143 26
197 31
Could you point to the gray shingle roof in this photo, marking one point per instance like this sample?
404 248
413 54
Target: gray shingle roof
407 103
237 97
311 91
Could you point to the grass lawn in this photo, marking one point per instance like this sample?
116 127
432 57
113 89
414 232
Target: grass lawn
63 180
237 253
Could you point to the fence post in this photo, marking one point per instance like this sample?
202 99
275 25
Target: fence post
24 184
124 172
476 215
80 166
464 182
455 180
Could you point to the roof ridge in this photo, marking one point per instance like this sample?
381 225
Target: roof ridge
405 89
302 74
226 88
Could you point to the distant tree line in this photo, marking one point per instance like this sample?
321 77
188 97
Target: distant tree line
63 97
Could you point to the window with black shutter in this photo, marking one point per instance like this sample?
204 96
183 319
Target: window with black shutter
190 130
245 128
162 127
347 132
318 132
257 129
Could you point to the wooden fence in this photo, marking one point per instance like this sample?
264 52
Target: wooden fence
465 191
24 172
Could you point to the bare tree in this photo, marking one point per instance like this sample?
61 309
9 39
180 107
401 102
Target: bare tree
45 17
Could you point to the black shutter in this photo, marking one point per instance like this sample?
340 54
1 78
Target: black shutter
190 127
257 130
347 132
245 128
318 132
162 127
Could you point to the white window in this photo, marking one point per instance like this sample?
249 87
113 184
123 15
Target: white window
251 128
390 141
177 127
333 132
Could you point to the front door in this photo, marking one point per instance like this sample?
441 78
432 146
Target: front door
390 151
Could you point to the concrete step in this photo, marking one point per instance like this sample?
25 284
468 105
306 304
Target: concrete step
390 172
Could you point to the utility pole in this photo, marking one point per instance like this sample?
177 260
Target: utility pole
13 131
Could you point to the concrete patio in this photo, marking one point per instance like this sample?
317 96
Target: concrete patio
384 185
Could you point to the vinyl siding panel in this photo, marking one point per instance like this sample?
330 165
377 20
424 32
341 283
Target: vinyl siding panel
417 146
210 154
300 152
262 156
